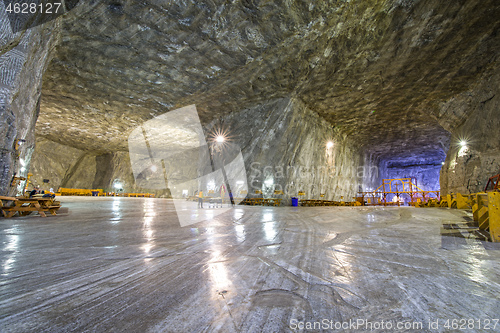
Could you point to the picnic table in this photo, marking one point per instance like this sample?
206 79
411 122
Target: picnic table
214 201
271 202
4 204
312 202
25 206
261 201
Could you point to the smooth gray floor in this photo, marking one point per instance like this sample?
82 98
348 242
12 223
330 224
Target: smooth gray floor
126 265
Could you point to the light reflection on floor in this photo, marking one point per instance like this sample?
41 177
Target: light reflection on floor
126 264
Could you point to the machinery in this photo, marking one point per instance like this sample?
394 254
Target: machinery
398 190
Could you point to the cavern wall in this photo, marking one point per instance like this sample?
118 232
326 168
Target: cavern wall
64 166
424 175
473 118
54 165
60 166
24 57
284 145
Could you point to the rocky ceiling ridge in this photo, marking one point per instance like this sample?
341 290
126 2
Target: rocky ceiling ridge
126 62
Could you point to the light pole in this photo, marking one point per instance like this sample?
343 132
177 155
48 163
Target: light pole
217 147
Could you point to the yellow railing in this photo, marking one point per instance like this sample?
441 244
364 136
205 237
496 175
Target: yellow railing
78 191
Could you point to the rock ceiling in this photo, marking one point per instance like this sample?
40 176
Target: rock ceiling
377 70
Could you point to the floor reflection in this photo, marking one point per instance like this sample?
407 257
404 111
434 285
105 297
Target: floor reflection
12 247
116 210
270 230
343 268
220 281
476 268
238 214
240 232
268 217
252 269
147 226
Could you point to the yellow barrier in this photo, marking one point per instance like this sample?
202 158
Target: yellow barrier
485 209
480 211
77 191
458 201
494 215
433 203
141 195
463 202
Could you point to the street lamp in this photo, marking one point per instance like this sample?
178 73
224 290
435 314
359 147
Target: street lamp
219 146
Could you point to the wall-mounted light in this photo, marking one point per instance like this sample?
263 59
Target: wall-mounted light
463 147
18 143
329 144
153 168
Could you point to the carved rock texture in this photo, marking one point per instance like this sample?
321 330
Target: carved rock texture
467 168
281 141
284 146
388 77
61 165
376 70
24 56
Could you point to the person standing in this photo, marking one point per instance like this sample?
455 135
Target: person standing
200 199
36 190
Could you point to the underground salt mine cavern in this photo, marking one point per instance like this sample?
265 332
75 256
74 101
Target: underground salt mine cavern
250 166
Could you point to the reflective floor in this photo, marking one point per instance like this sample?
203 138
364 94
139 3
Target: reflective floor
126 265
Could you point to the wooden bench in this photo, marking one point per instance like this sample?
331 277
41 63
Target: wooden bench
275 202
139 195
25 206
79 191
3 204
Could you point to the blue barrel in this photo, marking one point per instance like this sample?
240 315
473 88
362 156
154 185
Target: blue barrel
95 193
295 202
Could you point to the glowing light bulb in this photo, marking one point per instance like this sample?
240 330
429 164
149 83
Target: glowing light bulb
219 139
329 145
463 143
